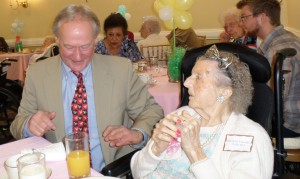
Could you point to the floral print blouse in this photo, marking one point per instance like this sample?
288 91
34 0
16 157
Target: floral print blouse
128 50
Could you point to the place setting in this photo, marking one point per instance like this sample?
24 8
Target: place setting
32 163
37 163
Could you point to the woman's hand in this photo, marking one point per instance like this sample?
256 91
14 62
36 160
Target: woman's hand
163 134
224 37
190 143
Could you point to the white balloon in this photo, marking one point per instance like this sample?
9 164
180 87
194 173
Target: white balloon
166 13
14 25
127 16
21 24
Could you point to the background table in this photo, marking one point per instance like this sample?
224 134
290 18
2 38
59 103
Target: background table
166 94
59 168
16 71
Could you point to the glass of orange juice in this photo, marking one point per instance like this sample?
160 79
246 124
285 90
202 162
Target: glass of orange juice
78 157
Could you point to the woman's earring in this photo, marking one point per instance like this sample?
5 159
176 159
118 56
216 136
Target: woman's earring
220 99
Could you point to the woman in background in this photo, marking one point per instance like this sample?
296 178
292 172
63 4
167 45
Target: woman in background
234 30
49 40
116 41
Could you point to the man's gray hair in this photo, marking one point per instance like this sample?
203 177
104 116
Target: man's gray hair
74 12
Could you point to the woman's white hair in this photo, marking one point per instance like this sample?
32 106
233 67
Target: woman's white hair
233 12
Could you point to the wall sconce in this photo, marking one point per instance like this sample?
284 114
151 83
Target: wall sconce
18 4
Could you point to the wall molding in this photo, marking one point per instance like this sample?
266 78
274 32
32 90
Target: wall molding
211 34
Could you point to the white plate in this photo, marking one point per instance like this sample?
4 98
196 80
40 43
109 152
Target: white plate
102 177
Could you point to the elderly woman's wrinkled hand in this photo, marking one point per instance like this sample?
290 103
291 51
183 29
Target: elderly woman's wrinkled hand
190 128
165 131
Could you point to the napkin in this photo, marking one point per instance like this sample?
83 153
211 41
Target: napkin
53 152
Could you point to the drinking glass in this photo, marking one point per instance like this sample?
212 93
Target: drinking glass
153 62
32 166
78 157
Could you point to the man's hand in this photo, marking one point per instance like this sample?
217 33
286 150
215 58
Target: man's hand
119 136
41 122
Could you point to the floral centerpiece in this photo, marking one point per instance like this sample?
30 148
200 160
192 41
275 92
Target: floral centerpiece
174 15
16 28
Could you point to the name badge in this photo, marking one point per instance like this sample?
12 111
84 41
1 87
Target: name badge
238 143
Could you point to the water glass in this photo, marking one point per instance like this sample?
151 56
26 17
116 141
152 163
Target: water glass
11 166
153 61
32 166
78 157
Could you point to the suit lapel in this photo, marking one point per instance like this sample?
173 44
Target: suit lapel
103 87
53 88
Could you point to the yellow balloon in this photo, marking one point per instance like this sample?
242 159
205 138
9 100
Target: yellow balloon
158 5
183 4
168 2
169 24
183 19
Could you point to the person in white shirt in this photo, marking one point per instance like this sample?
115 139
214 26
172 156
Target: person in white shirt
150 30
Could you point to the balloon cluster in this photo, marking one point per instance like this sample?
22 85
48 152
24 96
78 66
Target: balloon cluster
173 13
123 11
17 26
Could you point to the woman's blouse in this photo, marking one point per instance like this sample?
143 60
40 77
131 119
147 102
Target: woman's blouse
250 42
128 50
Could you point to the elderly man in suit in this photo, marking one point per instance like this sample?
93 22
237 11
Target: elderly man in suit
119 113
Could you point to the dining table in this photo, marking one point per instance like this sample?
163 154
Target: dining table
58 168
17 70
165 93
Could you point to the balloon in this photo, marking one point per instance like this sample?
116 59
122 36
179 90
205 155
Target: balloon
183 19
166 13
127 16
183 4
158 5
14 25
168 2
122 10
169 24
21 24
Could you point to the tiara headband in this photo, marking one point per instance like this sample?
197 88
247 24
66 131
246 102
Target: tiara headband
213 53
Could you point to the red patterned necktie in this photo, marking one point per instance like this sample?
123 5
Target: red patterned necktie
79 108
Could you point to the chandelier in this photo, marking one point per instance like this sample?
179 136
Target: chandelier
18 4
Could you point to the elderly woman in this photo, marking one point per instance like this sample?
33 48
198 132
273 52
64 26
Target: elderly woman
234 30
116 41
150 30
49 40
211 137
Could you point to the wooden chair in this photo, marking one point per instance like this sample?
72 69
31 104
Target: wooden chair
202 39
158 51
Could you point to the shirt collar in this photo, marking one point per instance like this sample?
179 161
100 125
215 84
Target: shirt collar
66 71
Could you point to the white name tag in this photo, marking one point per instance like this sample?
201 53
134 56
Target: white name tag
239 143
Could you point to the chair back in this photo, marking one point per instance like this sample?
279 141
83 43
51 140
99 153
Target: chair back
261 110
158 51
9 104
3 45
292 155
202 39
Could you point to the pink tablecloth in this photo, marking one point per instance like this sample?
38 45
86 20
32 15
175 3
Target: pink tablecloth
59 169
165 93
17 69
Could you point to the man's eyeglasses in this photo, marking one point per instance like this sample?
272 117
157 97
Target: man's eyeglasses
243 18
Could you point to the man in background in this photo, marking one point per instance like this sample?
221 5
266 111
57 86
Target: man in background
263 19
